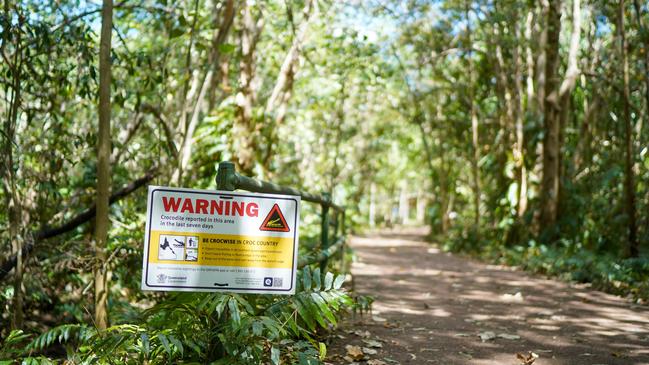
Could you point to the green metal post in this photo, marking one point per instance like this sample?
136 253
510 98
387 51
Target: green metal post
324 231
342 234
336 225
226 176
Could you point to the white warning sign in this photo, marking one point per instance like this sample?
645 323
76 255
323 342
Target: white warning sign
207 240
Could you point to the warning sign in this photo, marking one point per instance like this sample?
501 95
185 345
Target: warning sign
206 240
275 221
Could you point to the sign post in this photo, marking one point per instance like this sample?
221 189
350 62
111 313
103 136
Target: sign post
206 240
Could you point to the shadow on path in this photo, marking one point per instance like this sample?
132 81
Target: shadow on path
431 307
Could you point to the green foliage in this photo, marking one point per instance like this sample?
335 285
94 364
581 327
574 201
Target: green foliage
201 328
567 259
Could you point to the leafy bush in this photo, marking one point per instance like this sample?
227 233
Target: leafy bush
203 328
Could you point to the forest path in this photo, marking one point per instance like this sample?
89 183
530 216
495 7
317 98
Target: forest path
431 308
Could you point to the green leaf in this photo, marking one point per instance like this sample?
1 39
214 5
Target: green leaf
306 278
219 305
146 345
226 48
176 32
324 309
329 278
317 281
234 310
244 303
304 313
165 343
340 280
274 355
177 343
322 350
257 328
314 311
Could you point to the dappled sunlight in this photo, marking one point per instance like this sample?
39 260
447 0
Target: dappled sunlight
373 242
441 302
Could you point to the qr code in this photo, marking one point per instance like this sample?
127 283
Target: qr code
278 282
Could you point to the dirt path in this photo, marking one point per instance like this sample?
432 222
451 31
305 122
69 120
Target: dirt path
431 307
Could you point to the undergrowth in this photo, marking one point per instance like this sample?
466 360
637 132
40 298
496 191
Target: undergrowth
200 328
566 259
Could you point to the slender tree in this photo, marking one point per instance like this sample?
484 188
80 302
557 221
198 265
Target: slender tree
551 148
103 168
475 136
9 159
629 185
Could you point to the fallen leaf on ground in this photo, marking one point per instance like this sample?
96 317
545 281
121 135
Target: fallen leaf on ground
376 362
517 297
419 329
378 319
461 335
369 351
412 356
354 352
373 343
487 336
527 359
363 334
508 336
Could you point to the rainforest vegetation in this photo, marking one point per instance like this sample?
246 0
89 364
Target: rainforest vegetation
517 130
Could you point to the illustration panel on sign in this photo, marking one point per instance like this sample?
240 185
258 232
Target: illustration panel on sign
171 247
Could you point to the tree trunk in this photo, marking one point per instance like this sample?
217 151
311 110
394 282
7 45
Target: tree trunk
103 168
541 59
12 195
244 131
404 206
582 156
421 207
446 195
629 185
557 107
527 105
475 140
645 47
372 210
506 111
551 148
